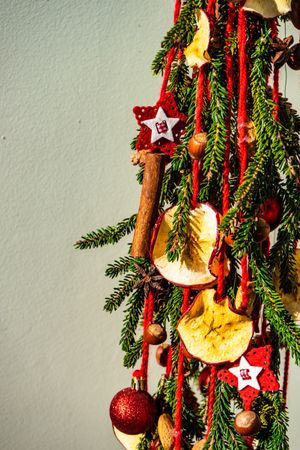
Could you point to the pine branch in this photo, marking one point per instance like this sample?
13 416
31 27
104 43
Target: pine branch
275 311
223 435
125 287
132 313
178 234
119 267
108 235
274 418
133 354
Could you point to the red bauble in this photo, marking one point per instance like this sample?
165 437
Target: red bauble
271 211
132 411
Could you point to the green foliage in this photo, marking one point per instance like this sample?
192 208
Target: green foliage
273 414
132 314
108 235
133 354
275 311
125 287
223 435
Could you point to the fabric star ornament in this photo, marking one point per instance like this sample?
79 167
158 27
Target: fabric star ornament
251 374
161 126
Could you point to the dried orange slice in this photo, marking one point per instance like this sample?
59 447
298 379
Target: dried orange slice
129 441
192 268
196 53
268 8
291 301
212 332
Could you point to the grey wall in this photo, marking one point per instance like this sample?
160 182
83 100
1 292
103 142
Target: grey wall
71 71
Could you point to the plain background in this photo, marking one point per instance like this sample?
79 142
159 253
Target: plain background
71 71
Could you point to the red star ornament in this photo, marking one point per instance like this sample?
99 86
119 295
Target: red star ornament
251 374
161 126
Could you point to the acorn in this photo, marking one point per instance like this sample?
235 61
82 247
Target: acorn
161 355
294 57
247 423
295 13
155 334
262 230
197 145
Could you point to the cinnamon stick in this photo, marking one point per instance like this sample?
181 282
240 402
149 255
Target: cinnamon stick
148 209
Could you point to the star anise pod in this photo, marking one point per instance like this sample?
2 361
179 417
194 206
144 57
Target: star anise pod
150 279
281 50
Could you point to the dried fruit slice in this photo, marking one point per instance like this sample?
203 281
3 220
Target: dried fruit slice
212 332
196 53
268 8
129 441
192 268
291 301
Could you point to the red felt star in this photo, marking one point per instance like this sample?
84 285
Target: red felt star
161 126
245 379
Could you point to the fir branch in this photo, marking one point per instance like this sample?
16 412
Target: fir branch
125 287
179 36
133 312
133 354
119 267
274 418
108 235
223 435
275 311
178 233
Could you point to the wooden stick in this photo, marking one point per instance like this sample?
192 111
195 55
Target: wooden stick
148 210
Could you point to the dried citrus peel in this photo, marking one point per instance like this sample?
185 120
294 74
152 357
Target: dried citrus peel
196 53
291 301
129 441
212 332
268 8
192 267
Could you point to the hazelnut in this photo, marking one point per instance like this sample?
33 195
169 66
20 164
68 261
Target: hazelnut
247 423
262 230
155 334
197 145
162 354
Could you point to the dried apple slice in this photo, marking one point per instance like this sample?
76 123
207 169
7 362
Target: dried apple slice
129 441
212 332
192 268
268 8
291 301
197 52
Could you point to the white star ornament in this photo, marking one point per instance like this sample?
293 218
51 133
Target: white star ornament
246 374
161 126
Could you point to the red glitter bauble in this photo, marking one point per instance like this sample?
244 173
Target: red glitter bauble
132 411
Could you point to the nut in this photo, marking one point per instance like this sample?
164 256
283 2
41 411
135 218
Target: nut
162 354
247 423
165 429
155 334
197 145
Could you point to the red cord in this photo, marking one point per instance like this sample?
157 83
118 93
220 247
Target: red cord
180 380
275 91
242 104
226 170
171 55
200 99
286 375
211 397
148 315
